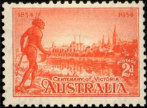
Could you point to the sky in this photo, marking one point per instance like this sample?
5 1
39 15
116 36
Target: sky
63 24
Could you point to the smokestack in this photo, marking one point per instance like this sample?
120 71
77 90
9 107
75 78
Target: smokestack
74 38
79 39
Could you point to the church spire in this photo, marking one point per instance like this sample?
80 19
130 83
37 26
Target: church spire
103 41
114 36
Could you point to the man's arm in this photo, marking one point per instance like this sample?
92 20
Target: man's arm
23 39
39 45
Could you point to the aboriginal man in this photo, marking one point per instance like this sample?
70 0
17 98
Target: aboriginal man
34 36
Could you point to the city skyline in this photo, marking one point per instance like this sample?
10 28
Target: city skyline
109 39
61 25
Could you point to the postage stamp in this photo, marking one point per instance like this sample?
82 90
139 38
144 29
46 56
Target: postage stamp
74 54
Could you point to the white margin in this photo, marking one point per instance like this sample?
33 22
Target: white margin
8 95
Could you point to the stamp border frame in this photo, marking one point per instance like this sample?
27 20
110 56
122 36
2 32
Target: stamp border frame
8 95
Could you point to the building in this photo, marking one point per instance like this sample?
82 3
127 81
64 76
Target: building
74 49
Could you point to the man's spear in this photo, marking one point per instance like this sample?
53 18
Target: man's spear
19 63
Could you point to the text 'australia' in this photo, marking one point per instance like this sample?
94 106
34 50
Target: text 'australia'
51 87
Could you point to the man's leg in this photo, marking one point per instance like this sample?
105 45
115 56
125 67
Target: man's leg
34 74
29 71
26 76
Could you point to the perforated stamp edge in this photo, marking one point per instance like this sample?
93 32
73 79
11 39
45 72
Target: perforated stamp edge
8 95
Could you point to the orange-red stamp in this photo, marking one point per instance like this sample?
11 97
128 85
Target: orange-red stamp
67 52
